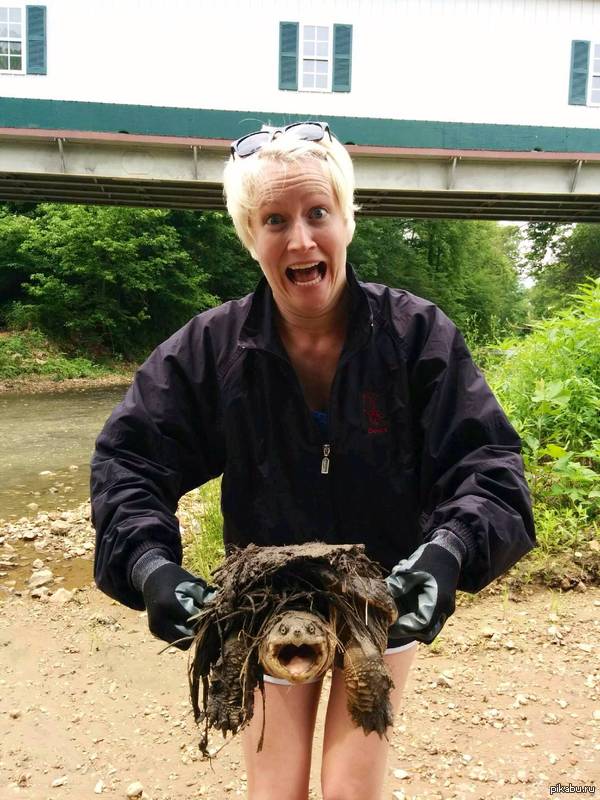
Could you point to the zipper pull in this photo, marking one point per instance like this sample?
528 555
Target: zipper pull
325 459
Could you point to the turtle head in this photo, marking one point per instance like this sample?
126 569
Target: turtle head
298 646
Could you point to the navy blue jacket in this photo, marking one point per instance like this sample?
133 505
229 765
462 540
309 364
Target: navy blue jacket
416 442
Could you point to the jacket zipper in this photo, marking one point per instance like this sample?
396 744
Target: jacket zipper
325 459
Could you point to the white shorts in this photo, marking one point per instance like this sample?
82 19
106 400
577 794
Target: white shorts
283 682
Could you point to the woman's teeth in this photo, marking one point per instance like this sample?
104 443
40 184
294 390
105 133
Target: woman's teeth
306 274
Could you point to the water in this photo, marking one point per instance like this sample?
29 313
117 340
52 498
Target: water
53 433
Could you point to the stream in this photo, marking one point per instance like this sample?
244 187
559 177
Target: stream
46 442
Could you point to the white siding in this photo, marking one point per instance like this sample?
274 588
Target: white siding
492 61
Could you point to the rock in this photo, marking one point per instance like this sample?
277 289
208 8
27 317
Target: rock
401 774
45 473
550 719
14 713
99 787
61 596
73 467
29 536
40 593
41 578
521 700
60 527
38 564
59 781
33 506
135 790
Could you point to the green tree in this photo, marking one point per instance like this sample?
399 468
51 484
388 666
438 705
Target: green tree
467 267
109 277
210 239
571 257
15 266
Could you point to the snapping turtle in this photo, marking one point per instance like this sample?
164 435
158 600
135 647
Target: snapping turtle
292 612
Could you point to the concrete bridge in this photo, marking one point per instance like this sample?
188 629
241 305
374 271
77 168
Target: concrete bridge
135 169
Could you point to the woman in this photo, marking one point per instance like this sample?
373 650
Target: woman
335 411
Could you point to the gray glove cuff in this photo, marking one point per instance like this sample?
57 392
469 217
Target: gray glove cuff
452 543
146 564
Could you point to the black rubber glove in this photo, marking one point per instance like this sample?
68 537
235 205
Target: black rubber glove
172 595
424 589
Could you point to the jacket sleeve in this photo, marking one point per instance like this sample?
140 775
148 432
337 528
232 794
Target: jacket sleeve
163 440
471 474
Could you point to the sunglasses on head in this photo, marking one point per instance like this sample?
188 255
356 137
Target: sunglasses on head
252 142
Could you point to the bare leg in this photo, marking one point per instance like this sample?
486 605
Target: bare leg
354 764
281 771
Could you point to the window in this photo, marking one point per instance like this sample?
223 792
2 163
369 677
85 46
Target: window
595 76
23 40
315 58
11 39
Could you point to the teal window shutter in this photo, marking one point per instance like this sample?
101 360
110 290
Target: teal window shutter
580 68
288 55
36 40
342 58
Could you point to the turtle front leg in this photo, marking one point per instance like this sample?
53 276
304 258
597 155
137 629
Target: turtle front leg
368 686
224 709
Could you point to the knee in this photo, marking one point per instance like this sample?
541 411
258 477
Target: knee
346 790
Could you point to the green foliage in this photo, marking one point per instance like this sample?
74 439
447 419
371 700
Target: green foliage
210 239
550 381
112 278
549 384
561 257
468 268
29 353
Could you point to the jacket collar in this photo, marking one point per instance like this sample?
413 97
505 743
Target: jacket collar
259 331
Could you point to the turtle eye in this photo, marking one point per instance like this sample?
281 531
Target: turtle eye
310 627
283 629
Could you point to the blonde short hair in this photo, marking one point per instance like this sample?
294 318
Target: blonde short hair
243 181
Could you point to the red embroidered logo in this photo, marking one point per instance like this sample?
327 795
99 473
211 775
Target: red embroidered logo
374 416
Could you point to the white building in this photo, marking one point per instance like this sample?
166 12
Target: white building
423 79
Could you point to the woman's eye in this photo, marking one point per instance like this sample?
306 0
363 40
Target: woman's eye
274 219
318 213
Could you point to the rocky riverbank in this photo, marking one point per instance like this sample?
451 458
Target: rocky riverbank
40 385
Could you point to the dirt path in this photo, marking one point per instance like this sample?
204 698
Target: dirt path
505 704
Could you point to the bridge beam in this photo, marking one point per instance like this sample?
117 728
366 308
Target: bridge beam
174 172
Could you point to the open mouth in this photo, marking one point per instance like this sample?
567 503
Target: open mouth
298 660
306 274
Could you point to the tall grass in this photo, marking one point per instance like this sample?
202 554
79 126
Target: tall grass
202 524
